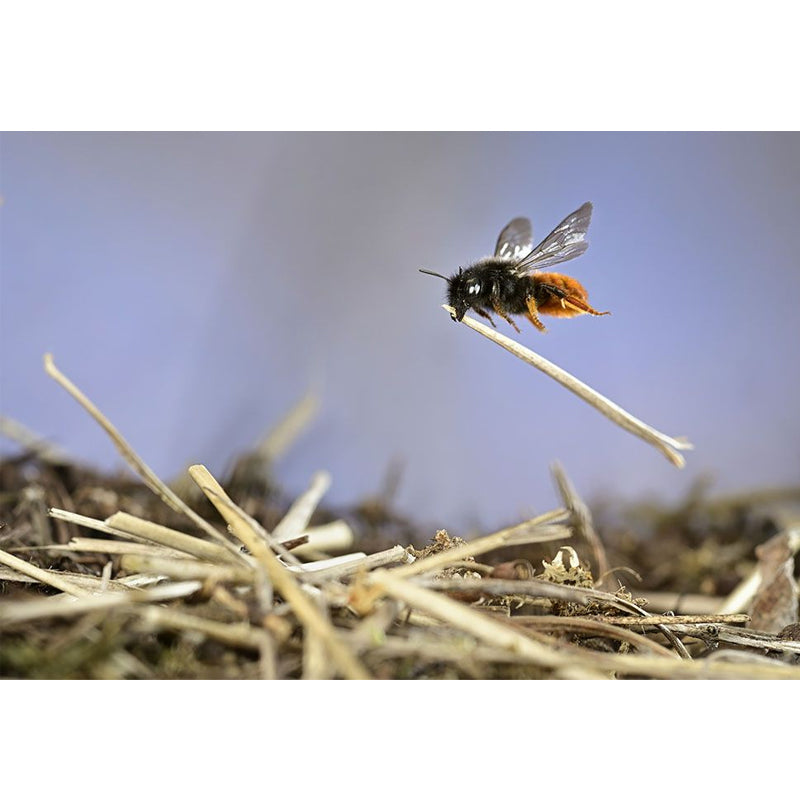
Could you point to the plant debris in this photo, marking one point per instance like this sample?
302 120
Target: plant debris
103 576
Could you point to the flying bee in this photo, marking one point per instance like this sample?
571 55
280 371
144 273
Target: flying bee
507 282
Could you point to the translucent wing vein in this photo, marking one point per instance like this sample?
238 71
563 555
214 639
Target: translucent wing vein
566 241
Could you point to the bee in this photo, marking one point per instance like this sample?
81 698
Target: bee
507 283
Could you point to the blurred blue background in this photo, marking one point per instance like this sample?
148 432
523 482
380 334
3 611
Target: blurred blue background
195 285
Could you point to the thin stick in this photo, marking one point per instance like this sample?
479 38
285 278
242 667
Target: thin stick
91 583
237 634
465 618
167 537
297 517
317 665
80 520
702 669
45 576
333 536
185 569
594 626
282 579
581 520
540 588
742 637
287 555
62 606
325 564
151 480
532 531
283 435
665 444
366 563
655 620
437 650
17 432
111 547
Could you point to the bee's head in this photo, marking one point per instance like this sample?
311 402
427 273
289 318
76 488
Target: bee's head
463 289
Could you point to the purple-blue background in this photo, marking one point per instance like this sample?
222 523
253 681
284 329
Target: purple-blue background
194 285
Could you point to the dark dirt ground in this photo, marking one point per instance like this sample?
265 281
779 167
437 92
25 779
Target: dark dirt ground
627 561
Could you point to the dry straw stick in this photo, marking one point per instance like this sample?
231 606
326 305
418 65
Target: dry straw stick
582 520
313 575
282 579
81 520
297 517
283 435
539 588
332 536
153 482
167 537
46 576
186 569
81 544
127 526
666 444
465 618
538 529
62 606
92 583
594 627
17 432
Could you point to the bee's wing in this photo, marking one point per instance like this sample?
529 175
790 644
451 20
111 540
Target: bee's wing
566 241
515 240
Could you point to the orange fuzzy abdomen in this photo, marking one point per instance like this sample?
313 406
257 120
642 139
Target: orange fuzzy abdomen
574 304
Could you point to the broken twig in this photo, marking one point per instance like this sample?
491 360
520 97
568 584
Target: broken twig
665 444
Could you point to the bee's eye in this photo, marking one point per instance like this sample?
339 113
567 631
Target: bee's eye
474 288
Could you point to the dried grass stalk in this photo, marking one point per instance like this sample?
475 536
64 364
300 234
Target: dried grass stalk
284 434
657 667
665 444
334 536
464 618
296 519
186 569
540 588
32 442
64 606
93 584
594 627
319 573
538 529
282 579
238 634
167 537
317 665
81 520
45 576
582 521
137 464
81 544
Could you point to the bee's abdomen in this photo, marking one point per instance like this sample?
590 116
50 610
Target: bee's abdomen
568 300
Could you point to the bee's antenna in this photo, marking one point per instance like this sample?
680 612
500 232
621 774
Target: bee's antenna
435 274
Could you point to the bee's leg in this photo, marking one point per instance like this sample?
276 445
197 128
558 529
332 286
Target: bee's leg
499 311
482 313
533 315
569 301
